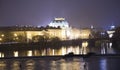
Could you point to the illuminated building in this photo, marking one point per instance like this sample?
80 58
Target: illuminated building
59 27
68 32
111 31
59 22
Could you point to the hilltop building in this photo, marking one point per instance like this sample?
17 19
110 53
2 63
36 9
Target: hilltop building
59 22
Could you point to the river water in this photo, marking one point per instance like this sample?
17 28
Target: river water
60 63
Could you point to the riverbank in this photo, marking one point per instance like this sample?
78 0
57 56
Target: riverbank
65 56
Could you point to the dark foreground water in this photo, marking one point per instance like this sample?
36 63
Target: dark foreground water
60 63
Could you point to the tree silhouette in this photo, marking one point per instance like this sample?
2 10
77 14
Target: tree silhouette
116 39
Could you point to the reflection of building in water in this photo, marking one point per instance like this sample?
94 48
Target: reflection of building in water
106 48
52 52
3 65
59 27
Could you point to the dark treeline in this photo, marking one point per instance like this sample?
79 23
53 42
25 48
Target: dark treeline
116 40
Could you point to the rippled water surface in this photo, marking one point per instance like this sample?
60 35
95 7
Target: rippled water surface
92 63
42 64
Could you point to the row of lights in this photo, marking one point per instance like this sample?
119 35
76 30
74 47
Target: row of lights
2 35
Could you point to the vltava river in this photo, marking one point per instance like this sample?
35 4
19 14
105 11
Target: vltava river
60 63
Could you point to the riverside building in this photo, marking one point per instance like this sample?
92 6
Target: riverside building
59 27
25 35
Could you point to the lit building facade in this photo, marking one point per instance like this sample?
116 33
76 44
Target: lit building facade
59 27
111 31
59 22
69 32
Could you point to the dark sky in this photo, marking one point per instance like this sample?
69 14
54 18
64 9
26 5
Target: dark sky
79 13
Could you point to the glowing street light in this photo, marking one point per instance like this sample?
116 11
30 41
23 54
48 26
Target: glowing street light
15 35
0 39
2 35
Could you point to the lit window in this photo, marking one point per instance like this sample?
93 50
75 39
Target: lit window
2 35
15 53
1 54
29 53
84 44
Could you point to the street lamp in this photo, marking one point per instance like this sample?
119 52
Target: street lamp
2 35
15 35
0 39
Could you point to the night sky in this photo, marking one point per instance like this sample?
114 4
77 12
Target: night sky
79 13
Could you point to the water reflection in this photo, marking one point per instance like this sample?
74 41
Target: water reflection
103 64
3 65
104 48
69 64
93 63
66 50
15 65
30 65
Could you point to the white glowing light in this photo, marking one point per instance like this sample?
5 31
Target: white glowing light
84 44
15 35
0 39
59 22
110 45
59 18
53 52
110 33
112 27
15 53
1 54
69 50
29 53
63 50
2 35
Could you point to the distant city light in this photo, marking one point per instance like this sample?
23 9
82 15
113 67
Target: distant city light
0 39
102 33
110 33
1 54
84 44
29 53
15 35
2 35
15 53
92 27
59 18
112 27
